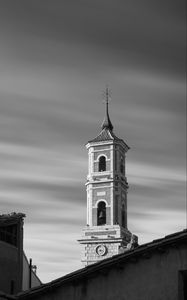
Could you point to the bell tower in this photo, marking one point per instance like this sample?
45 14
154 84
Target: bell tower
106 233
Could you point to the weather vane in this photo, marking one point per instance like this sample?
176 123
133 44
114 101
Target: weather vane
107 95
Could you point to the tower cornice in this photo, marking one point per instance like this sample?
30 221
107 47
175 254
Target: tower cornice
108 142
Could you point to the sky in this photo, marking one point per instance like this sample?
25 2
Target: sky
56 58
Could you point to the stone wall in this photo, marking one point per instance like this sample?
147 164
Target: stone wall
91 254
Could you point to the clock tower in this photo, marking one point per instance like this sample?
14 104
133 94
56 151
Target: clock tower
106 233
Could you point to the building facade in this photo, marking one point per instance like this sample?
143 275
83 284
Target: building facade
15 273
106 233
11 252
156 271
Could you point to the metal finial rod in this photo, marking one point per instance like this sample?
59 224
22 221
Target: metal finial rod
107 123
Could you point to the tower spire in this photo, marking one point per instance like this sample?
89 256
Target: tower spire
107 124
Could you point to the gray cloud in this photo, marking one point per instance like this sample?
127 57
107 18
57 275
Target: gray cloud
55 61
151 35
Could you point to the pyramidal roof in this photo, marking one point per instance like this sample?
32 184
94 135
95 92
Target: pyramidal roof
106 133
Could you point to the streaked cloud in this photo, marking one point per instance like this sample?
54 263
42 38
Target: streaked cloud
55 61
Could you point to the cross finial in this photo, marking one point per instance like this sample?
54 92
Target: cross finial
107 95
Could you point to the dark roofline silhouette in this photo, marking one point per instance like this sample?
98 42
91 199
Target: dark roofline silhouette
114 261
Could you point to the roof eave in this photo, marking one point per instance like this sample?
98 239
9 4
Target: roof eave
107 142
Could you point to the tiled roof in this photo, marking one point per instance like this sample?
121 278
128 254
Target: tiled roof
107 128
114 261
105 135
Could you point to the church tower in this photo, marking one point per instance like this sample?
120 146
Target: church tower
106 233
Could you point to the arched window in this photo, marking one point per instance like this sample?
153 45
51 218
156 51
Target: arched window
102 163
101 213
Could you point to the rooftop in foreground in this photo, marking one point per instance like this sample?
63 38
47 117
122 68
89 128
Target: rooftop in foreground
131 256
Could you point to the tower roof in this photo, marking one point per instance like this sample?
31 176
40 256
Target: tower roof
106 133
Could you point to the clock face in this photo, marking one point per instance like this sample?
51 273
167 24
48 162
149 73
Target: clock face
101 250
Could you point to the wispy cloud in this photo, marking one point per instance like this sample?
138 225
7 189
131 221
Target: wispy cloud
55 61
